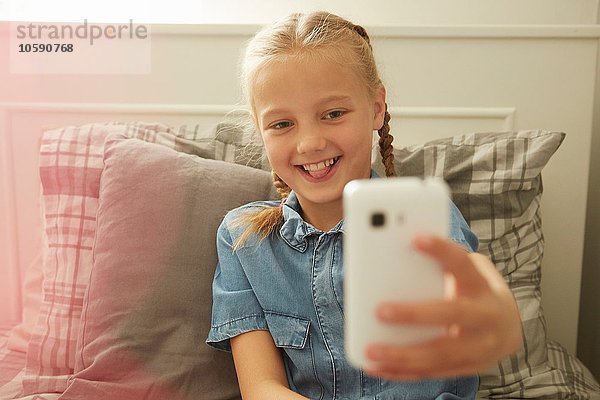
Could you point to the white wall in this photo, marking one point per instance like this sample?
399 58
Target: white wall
414 12
374 12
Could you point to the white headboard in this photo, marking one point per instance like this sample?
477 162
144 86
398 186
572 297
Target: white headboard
440 81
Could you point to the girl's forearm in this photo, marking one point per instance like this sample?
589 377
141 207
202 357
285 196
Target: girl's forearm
272 390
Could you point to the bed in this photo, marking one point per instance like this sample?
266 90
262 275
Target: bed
496 95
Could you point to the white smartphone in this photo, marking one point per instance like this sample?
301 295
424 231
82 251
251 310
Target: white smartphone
382 216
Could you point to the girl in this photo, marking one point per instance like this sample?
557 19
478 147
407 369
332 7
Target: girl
316 97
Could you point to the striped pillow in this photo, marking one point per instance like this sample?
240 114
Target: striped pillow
70 168
496 183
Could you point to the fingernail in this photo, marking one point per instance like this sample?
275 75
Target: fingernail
387 313
375 353
423 240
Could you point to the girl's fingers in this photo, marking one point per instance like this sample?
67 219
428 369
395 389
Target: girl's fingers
455 260
398 375
465 313
438 357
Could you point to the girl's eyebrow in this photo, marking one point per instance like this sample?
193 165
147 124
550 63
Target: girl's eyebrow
272 111
269 111
334 97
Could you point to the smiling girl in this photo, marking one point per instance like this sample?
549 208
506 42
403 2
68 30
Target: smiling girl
316 98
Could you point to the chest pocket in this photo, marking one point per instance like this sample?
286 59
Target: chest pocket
288 332
291 334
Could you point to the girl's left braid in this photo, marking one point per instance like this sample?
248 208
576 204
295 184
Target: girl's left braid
385 145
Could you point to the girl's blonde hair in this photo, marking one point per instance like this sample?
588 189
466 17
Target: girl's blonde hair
320 34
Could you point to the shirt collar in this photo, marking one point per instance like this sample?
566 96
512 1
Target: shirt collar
295 230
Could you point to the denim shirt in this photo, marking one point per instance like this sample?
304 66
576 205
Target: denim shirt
291 284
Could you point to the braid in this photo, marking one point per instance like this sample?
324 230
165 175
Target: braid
266 221
385 139
282 188
385 145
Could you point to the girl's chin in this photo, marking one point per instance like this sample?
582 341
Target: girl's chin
319 198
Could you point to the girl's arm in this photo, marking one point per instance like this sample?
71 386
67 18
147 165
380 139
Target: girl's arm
259 367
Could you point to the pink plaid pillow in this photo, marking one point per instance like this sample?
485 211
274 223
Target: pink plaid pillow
71 162
70 168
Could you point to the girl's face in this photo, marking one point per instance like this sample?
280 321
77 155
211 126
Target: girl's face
316 120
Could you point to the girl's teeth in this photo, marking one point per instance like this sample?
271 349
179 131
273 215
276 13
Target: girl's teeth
319 166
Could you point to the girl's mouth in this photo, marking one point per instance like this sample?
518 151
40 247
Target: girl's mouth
320 170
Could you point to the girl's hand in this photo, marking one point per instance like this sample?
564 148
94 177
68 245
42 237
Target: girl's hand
481 317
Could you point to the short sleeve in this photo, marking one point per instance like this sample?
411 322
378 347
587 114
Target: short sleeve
460 231
235 308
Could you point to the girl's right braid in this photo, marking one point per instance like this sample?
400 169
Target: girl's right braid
385 145
282 188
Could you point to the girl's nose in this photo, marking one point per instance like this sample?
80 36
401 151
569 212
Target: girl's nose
310 140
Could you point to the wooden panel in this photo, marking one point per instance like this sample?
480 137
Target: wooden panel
415 125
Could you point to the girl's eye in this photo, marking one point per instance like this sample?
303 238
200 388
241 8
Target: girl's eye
334 114
281 125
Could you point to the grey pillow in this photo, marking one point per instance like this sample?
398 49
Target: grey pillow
148 305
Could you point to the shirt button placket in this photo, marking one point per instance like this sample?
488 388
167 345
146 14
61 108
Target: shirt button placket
330 317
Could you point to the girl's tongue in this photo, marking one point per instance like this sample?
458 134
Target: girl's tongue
320 173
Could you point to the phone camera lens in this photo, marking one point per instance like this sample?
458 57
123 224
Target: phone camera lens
378 219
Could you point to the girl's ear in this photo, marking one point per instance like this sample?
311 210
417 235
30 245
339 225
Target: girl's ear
379 107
